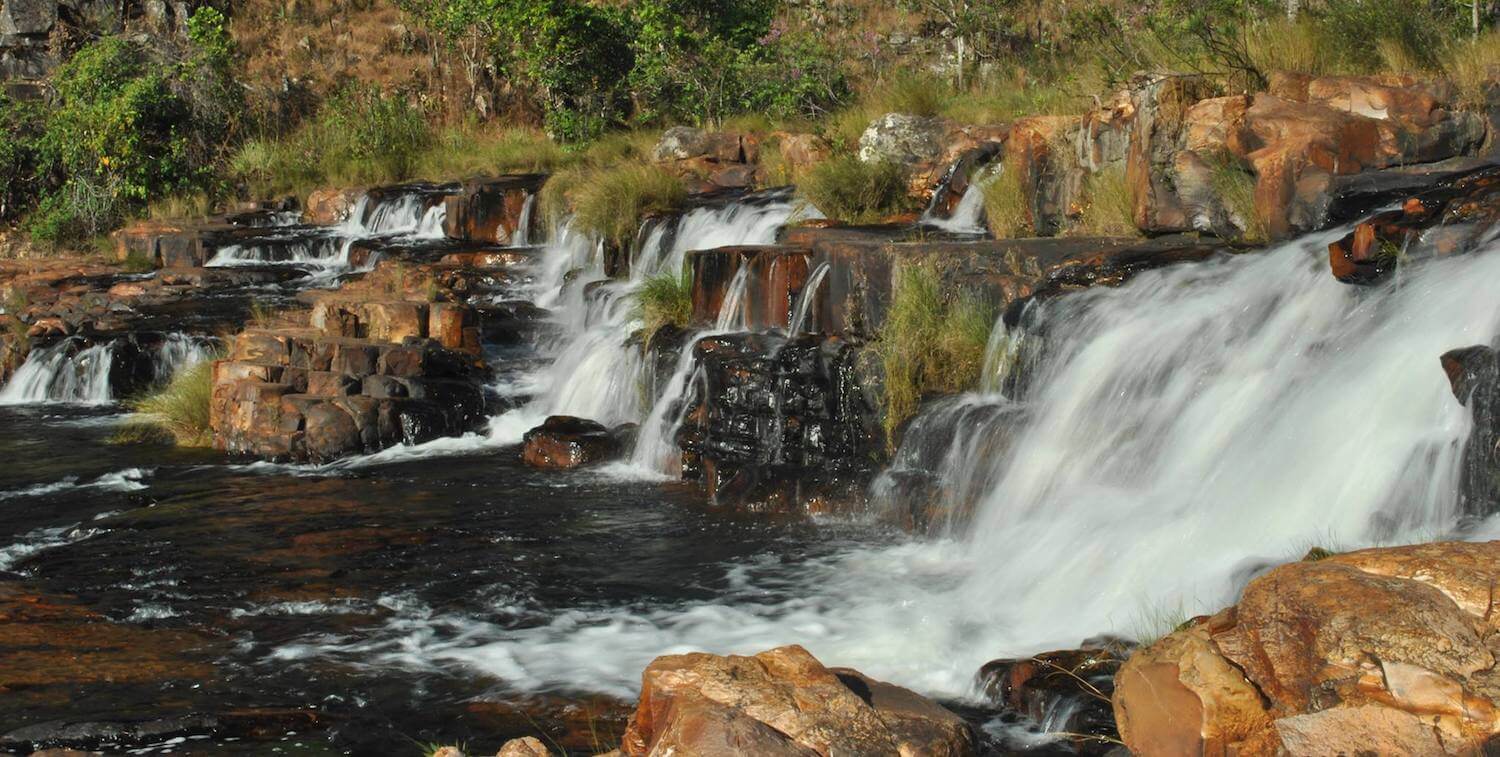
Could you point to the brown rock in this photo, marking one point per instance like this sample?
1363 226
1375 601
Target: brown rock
1380 651
329 206
782 702
566 442
523 747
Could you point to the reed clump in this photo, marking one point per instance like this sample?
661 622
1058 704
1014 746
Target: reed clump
851 190
177 411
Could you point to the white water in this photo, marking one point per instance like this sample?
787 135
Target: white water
62 373
68 372
522 237
1182 431
405 214
968 215
594 371
802 313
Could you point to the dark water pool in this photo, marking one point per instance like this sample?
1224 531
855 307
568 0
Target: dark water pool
156 598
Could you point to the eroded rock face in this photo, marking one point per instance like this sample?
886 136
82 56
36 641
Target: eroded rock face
783 702
1380 651
1474 374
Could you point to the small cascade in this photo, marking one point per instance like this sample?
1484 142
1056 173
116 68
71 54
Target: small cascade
312 252
802 314
968 215
402 213
179 351
732 310
69 371
522 237
431 225
597 371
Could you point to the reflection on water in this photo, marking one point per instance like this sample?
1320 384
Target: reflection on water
199 586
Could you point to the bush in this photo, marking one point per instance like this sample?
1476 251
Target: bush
21 127
179 410
666 300
1109 209
1006 205
849 189
368 136
929 344
915 94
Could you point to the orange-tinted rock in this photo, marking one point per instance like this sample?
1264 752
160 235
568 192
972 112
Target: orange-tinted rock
327 207
523 747
567 442
1380 651
782 702
491 209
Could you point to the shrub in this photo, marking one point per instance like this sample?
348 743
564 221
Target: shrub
666 300
21 126
179 410
849 189
929 343
367 136
1109 209
1006 205
916 94
610 202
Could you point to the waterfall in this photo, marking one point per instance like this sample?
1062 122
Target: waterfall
522 237
968 215
179 351
64 372
317 252
411 213
802 313
596 370
732 309
74 371
431 225
1176 435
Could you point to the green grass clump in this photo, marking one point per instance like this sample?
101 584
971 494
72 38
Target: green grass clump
1006 206
179 410
931 343
469 149
1109 209
1235 187
915 94
666 300
610 202
1472 66
851 190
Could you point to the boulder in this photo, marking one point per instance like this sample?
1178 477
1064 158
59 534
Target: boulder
782 702
28 17
493 209
563 441
1474 374
1379 651
1074 683
902 139
688 143
329 206
524 747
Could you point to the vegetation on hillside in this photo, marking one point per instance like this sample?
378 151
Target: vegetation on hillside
176 123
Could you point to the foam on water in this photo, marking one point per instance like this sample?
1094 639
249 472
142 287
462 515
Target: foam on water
1181 432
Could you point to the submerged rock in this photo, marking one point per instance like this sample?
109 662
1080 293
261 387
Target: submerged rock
783 702
1380 651
1063 691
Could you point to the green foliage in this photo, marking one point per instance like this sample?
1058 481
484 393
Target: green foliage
666 300
916 94
131 122
179 410
21 128
846 188
1109 209
1470 65
932 342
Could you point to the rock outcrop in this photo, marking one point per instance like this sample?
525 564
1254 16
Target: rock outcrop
783 702
1474 374
1380 651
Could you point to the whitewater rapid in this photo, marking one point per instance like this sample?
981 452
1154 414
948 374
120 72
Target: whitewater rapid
1181 433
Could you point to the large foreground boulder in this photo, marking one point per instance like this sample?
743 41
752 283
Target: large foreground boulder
783 702
1380 651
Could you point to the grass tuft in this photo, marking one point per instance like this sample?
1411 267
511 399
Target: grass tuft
930 343
1235 187
1109 209
666 300
611 202
1473 66
177 411
851 190
1006 205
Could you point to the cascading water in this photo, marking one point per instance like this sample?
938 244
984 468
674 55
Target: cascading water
1179 433
67 371
802 313
522 237
595 371
409 213
73 371
968 215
